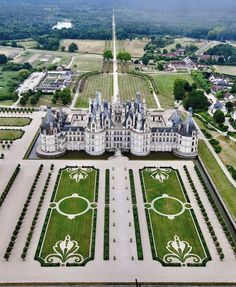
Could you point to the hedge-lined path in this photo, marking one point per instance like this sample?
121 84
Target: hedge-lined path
121 221
228 252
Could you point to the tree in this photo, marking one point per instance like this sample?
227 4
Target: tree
145 61
33 100
219 117
179 89
73 47
178 46
65 96
3 59
197 100
108 55
14 44
23 101
229 106
23 74
54 100
160 66
124 56
233 89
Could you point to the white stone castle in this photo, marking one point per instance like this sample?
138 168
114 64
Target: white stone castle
128 127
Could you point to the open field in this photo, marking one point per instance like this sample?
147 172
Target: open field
228 152
165 84
129 85
134 47
206 46
171 218
27 44
87 63
10 134
86 46
14 121
102 83
227 70
9 51
71 219
185 42
225 188
42 59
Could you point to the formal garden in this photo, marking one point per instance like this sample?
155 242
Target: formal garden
175 235
68 234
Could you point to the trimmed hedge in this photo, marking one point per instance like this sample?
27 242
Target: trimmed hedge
16 110
137 233
9 185
106 233
132 187
106 216
107 186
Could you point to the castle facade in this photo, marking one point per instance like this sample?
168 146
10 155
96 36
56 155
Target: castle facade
105 126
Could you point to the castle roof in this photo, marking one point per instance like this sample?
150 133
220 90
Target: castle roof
188 126
48 123
175 119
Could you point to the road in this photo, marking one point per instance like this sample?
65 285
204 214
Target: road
115 68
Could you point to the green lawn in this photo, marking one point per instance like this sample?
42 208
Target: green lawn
14 121
8 84
165 84
224 186
102 83
82 183
164 229
129 85
10 134
84 63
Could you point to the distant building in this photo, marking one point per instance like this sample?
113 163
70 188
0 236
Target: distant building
229 96
55 80
177 64
63 25
219 106
106 126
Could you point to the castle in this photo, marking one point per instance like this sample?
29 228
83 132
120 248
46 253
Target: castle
129 127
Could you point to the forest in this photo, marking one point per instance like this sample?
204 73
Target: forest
20 19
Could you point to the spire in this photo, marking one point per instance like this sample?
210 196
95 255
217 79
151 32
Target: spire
188 126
